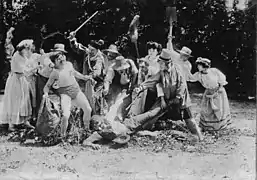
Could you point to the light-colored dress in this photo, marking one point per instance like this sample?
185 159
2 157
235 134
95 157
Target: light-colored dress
153 65
17 101
215 111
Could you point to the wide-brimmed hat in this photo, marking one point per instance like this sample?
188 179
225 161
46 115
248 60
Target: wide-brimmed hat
113 49
204 61
165 55
120 63
186 51
59 48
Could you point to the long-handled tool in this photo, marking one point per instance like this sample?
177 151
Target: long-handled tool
133 32
84 23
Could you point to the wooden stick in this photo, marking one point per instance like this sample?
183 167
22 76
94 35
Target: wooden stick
85 22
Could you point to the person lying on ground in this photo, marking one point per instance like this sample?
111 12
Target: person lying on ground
173 100
63 80
215 112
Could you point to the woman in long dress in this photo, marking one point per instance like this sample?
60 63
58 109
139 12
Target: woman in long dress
215 112
17 107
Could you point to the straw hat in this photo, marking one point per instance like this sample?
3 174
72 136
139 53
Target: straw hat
59 48
165 55
113 49
120 63
186 51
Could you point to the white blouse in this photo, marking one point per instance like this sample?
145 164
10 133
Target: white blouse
212 79
154 66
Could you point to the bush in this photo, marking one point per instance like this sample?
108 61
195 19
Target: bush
210 30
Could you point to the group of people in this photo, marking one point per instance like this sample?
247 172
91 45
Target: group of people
156 86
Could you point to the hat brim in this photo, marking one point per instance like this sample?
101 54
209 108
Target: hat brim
164 59
182 52
59 50
118 68
110 50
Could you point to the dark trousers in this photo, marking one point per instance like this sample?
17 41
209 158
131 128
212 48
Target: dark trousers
40 84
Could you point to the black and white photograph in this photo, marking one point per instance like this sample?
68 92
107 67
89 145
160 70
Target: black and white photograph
128 89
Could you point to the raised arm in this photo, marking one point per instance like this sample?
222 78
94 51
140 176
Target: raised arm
78 47
169 43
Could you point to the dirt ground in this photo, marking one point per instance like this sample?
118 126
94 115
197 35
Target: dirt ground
229 156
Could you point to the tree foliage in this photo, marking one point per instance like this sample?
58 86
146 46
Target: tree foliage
227 37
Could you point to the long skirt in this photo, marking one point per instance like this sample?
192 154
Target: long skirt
17 100
215 112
